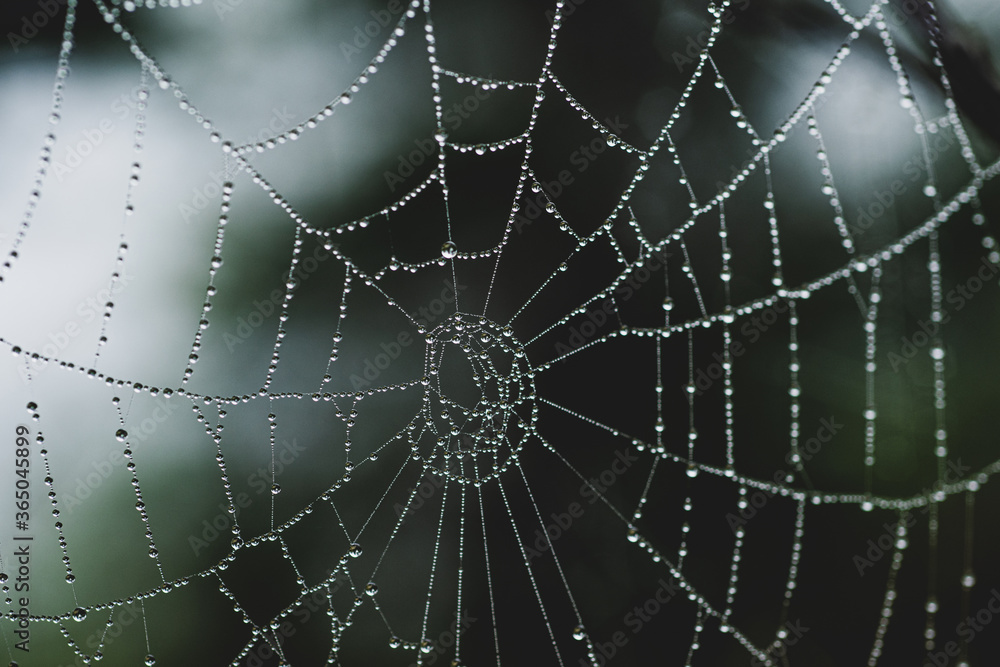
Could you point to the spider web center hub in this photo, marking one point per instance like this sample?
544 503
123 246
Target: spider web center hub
479 401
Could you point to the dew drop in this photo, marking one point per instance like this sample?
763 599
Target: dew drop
449 250
150 660
121 434
79 614
275 489
345 98
371 589
355 550
579 633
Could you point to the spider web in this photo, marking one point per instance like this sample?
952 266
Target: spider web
629 405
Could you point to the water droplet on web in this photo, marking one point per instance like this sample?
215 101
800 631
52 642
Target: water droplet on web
579 633
355 550
275 489
345 98
79 614
449 250
121 434
150 660
426 646
371 589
